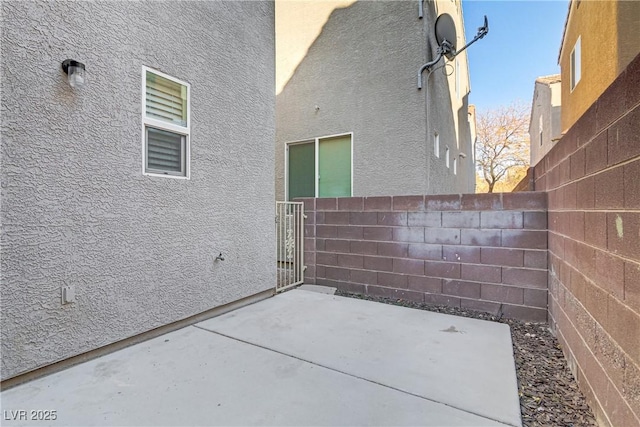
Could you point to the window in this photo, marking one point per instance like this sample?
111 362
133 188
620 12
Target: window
446 156
455 166
575 64
436 145
540 128
321 167
166 125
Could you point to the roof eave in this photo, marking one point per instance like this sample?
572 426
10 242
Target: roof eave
564 30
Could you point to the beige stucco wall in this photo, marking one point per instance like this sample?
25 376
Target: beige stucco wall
546 111
298 24
473 130
457 70
609 41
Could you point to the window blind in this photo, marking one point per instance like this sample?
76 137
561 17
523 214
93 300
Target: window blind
166 100
165 151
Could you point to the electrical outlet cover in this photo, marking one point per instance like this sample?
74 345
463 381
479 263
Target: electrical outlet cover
68 294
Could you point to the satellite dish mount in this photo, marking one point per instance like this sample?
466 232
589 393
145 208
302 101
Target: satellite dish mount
446 37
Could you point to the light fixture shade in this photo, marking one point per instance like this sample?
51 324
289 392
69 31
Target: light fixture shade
75 73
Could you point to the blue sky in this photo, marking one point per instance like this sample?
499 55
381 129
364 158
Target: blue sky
522 44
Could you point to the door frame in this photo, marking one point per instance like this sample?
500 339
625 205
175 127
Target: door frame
316 142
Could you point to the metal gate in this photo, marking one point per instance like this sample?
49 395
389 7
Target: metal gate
290 244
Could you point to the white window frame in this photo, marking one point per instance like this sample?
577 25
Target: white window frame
447 157
316 142
575 64
436 144
165 126
540 126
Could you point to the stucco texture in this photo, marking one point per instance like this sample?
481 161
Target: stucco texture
605 54
76 208
361 73
546 104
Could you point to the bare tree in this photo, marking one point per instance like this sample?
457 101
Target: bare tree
502 142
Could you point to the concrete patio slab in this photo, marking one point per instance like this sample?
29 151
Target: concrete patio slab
311 364
318 288
195 377
463 363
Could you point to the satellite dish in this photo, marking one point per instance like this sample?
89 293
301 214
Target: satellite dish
446 35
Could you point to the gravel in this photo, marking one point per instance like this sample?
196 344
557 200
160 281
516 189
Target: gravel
549 394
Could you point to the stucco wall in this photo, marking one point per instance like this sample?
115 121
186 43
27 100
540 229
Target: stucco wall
556 112
458 77
361 72
605 54
298 24
76 209
546 105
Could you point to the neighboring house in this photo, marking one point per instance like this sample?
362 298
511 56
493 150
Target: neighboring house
350 120
473 129
544 125
124 191
600 39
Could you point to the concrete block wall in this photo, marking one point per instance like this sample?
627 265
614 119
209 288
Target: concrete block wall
527 183
481 251
592 177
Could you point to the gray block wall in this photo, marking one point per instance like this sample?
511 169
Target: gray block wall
361 72
76 208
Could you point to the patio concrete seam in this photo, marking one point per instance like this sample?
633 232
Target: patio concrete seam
354 376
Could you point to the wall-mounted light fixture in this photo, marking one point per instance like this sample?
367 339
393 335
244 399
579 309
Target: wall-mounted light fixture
75 73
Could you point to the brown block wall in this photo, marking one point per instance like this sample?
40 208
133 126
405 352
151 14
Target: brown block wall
592 177
527 183
482 251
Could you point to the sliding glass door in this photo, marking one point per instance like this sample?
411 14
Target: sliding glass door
320 168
